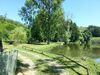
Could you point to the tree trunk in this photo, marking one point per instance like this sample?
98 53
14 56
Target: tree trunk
48 42
65 43
1 46
49 24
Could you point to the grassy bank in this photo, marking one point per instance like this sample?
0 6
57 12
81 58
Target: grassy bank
44 68
95 40
71 67
42 46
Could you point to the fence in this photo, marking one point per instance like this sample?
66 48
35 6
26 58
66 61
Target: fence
8 62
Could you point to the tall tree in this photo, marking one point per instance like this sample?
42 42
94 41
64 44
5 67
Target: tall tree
74 32
71 31
67 33
58 25
32 8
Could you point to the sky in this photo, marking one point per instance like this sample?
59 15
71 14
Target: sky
11 8
82 12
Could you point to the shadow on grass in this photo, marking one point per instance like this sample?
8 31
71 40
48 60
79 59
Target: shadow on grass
44 68
69 65
21 67
76 71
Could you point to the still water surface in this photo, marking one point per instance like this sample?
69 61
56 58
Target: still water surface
78 51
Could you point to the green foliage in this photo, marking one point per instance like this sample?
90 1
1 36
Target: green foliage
38 27
6 26
74 32
47 23
94 30
66 32
43 16
85 37
58 22
71 31
18 34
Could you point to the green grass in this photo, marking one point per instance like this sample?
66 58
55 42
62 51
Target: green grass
96 38
95 42
89 63
42 47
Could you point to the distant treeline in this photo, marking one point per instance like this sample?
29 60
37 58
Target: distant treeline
67 32
95 30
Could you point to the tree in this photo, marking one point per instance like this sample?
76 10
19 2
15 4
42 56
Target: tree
67 34
18 35
58 25
74 32
71 31
87 36
39 26
32 9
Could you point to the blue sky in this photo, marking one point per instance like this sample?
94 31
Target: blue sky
83 12
11 7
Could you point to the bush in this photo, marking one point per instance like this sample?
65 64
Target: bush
19 35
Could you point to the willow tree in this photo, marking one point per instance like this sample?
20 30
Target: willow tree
32 7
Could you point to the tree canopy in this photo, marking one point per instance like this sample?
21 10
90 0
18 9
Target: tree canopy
42 16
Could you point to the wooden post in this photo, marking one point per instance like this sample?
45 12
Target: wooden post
1 45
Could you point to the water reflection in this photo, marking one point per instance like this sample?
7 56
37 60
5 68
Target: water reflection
75 50
96 52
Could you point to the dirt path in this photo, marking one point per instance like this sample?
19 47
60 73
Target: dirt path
31 65
29 70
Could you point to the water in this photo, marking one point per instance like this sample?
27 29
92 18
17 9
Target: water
75 51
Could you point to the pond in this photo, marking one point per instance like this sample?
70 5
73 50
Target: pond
77 51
